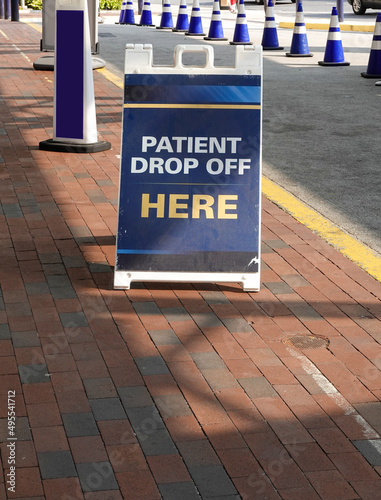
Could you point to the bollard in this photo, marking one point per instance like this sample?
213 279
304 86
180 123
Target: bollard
74 122
15 10
7 9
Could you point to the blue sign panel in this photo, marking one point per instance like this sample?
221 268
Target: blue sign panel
190 174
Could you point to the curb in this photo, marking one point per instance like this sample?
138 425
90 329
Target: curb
325 26
363 256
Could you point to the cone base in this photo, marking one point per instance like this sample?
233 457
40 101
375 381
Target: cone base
46 63
323 63
164 28
128 24
215 39
370 75
66 147
150 25
272 48
194 34
179 31
241 43
288 54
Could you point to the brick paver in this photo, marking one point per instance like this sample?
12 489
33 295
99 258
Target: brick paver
167 390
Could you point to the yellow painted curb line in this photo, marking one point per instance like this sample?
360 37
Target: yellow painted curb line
111 77
325 26
35 26
363 256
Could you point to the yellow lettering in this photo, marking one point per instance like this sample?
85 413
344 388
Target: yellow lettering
174 206
202 202
159 205
223 206
226 208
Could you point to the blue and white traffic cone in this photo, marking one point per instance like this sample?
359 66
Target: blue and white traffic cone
182 23
195 24
299 44
129 16
146 17
166 21
270 35
241 32
74 121
122 9
334 55
374 63
216 31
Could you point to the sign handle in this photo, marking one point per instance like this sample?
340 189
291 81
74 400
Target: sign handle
205 49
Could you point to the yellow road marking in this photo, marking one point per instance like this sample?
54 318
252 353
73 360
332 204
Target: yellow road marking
35 26
363 256
111 77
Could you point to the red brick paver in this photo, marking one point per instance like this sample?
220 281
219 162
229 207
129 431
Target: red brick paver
114 403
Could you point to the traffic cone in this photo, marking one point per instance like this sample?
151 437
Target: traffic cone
216 31
299 44
374 63
241 32
146 17
195 24
166 21
334 55
182 23
129 16
122 10
270 35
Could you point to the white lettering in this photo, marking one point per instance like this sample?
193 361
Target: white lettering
135 169
179 143
178 167
156 164
164 144
189 163
201 145
148 142
220 166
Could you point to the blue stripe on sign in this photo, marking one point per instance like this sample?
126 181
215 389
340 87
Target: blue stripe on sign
194 94
69 73
144 252
145 80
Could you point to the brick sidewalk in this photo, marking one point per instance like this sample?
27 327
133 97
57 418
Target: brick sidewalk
167 391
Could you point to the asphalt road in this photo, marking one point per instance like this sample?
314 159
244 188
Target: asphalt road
321 125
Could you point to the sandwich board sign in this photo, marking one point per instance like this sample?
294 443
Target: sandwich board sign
190 176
